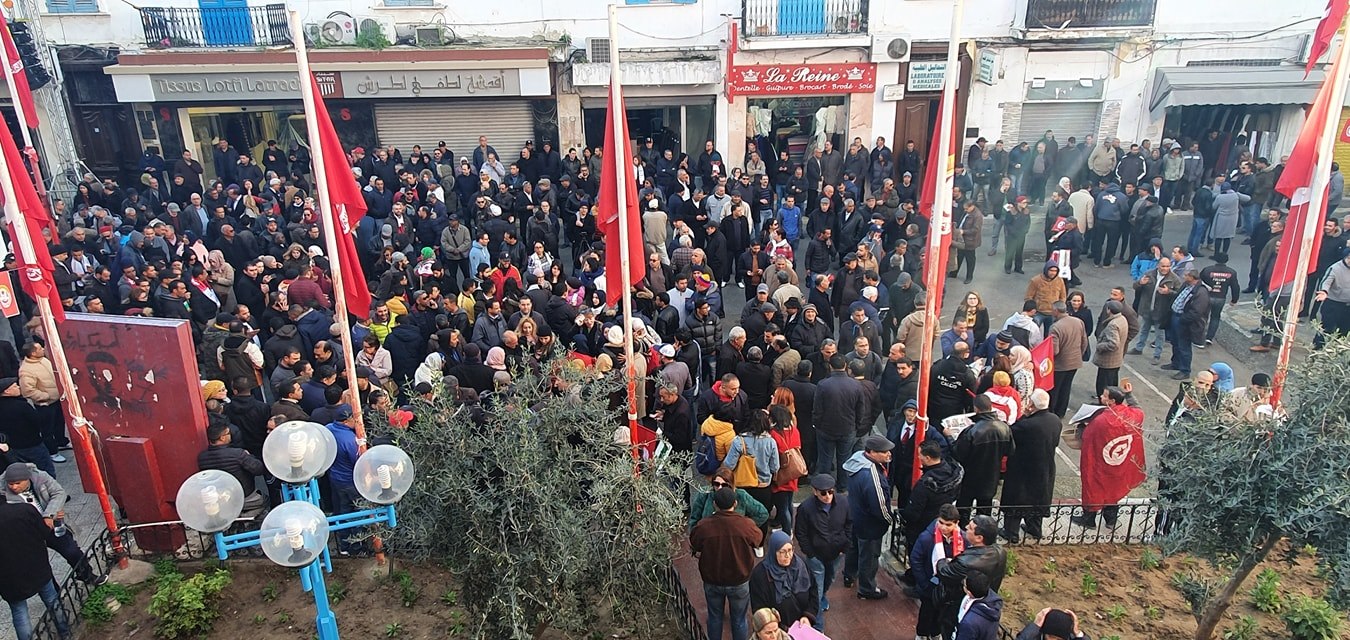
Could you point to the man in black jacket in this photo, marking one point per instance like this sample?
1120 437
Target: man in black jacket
804 397
953 385
981 449
22 427
24 567
237 462
837 416
824 530
940 484
982 554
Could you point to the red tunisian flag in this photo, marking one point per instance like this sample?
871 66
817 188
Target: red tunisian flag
1043 364
348 205
1326 30
610 211
35 271
1113 455
1295 183
928 193
20 78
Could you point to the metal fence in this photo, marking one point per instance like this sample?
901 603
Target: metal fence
684 609
761 18
181 27
1135 523
1095 14
72 592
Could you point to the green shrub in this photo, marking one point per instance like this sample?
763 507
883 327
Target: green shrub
96 611
1266 594
186 607
1011 564
1245 629
1312 619
1150 560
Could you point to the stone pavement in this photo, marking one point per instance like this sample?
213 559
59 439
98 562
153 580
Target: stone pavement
83 515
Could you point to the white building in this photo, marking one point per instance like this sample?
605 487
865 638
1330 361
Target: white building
177 75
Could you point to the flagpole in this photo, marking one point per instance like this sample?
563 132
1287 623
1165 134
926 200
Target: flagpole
79 426
1312 222
620 157
21 112
939 233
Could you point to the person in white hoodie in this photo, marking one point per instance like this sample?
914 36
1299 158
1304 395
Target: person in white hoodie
1025 321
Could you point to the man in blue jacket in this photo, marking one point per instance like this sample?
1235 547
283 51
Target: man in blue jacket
340 474
924 554
981 608
869 501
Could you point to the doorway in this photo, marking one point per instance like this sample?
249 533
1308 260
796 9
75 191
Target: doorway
226 22
246 128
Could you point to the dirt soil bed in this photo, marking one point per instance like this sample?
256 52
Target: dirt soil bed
1150 606
265 601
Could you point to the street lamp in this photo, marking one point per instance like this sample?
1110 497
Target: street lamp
295 533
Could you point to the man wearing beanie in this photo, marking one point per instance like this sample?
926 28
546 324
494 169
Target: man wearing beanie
22 427
26 484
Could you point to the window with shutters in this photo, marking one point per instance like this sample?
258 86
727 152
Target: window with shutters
72 6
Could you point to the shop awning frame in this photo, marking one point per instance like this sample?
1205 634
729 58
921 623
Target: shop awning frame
1231 85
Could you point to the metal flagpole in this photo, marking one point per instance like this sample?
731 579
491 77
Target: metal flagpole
1326 144
21 113
79 426
940 229
622 186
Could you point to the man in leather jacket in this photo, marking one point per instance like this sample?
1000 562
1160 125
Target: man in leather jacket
981 449
982 553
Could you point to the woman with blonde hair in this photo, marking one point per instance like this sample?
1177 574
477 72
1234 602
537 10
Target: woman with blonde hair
527 331
767 625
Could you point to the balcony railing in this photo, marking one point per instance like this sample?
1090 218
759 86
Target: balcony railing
175 27
1089 14
778 18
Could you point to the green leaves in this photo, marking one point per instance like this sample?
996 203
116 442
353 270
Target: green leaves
186 607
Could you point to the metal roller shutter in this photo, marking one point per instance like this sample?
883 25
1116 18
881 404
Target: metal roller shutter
1066 119
506 123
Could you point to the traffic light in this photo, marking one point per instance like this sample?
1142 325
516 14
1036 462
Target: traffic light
28 53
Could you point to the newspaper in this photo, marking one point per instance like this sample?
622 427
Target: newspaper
1085 413
952 426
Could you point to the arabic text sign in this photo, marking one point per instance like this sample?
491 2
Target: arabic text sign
803 79
926 77
431 84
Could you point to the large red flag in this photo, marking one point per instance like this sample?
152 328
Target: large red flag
35 270
1295 183
348 205
1326 30
1043 364
928 193
15 63
609 211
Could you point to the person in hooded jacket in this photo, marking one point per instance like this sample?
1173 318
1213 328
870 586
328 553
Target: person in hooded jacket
981 449
980 610
783 581
869 501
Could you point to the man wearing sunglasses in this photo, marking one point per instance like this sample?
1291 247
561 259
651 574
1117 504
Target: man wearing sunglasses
823 530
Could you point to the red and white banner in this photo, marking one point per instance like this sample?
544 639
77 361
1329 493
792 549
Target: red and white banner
1043 364
802 79
9 304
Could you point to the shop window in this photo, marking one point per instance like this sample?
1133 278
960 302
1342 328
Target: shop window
72 6
796 125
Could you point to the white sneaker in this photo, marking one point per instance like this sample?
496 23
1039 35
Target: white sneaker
56 457
740 284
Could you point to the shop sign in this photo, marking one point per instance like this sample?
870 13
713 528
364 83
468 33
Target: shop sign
202 87
988 67
926 77
799 79
330 84
432 84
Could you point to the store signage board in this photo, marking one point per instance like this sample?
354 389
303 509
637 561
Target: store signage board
893 93
802 79
926 77
431 84
988 66
201 87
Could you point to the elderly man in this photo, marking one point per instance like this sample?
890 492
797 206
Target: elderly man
26 484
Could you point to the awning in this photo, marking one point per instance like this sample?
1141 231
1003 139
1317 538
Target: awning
1183 86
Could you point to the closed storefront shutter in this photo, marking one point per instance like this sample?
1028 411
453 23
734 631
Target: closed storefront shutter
1066 119
506 123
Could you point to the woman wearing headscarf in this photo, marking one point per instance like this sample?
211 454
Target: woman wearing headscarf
431 371
1223 376
783 583
221 275
1023 376
496 358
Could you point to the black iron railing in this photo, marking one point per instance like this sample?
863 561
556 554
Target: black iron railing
182 27
1089 14
684 609
1134 523
72 592
777 18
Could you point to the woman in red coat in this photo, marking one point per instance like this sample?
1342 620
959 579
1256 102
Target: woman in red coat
782 415
1113 456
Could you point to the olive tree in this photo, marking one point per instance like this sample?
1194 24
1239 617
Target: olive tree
545 520
1240 488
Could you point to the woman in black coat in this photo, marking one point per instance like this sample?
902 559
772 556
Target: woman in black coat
783 582
1029 484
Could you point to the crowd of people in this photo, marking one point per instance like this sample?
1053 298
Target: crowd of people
816 377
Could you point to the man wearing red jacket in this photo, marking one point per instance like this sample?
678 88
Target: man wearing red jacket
1113 456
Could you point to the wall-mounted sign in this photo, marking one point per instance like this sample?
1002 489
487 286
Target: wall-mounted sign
431 84
187 87
330 83
926 77
987 70
893 93
797 79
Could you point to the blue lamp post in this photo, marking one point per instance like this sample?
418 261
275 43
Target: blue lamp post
295 533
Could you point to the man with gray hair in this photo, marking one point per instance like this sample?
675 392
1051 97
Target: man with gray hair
729 353
1030 480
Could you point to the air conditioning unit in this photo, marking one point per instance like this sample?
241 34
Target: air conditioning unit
384 23
597 49
430 35
336 30
890 47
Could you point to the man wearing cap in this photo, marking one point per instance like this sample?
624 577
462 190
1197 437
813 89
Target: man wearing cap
824 531
26 484
1017 222
848 284
673 372
869 502
750 267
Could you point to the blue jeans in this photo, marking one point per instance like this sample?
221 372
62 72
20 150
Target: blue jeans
998 231
737 599
38 456
1145 328
1251 214
869 561
344 501
23 625
824 572
831 454
1197 239
1181 346
782 502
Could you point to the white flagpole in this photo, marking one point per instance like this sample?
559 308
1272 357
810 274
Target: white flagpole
620 153
1326 145
19 110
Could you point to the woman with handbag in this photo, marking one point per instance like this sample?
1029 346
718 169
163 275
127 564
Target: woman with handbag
791 463
753 459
